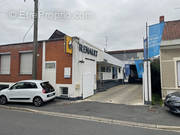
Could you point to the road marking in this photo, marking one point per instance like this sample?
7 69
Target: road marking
97 119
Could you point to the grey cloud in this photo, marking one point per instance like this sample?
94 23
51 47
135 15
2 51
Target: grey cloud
123 21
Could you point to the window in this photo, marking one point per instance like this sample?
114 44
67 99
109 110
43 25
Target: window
119 69
26 63
50 65
64 91
30 85
18 86
3 86
5 64
47 87
108 69
103 69
24 85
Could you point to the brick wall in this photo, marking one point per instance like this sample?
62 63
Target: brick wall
15 62
55 52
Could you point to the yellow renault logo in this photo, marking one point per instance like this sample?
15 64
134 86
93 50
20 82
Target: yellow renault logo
68 44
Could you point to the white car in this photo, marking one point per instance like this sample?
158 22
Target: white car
32 91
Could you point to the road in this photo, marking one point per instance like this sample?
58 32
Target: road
129 94
26 123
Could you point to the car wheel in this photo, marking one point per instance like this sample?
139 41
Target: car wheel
3 100
37 101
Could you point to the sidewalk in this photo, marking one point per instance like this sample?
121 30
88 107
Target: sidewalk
141 114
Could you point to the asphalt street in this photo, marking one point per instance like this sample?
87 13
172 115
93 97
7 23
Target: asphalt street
142 114
25 123
129 94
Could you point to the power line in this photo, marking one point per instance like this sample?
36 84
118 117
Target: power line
28 31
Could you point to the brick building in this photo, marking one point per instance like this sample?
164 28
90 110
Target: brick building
72 65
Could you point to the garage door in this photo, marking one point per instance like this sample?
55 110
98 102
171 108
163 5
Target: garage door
88 78
88 85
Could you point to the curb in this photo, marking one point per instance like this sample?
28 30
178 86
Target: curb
97 119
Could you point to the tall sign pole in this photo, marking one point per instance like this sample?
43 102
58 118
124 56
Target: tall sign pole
147 57
35 39
147 93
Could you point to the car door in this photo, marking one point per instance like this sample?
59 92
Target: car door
29 91
17 93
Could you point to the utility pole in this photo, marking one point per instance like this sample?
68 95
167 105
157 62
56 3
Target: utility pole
35 40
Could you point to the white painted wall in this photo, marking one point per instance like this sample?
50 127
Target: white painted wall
45 75
108 75
80 69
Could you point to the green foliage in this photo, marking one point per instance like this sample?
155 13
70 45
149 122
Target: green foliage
156 99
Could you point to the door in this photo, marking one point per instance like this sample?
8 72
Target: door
18 93
178 72
50 73
114 73
88 78
88 84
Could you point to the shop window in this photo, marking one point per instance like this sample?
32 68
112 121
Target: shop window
5 64
26 63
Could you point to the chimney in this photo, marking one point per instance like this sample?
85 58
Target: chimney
161 19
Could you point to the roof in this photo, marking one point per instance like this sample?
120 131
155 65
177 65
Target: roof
35 81
171 30
57 34
126 51
112 60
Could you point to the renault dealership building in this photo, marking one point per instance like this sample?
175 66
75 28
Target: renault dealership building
70 64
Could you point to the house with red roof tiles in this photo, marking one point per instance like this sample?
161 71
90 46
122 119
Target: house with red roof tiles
170 58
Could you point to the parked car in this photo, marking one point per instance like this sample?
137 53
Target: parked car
32 91
4 87
172 102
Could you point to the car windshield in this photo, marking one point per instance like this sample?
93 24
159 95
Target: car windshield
47 86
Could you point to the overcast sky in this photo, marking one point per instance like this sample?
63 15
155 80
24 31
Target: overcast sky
121 21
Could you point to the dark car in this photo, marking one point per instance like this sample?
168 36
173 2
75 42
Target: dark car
172 102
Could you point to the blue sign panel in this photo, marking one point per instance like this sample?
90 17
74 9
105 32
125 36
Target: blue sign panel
155 36
139 67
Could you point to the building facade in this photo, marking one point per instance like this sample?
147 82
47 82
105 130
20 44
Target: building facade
70 64
170 58
128 55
